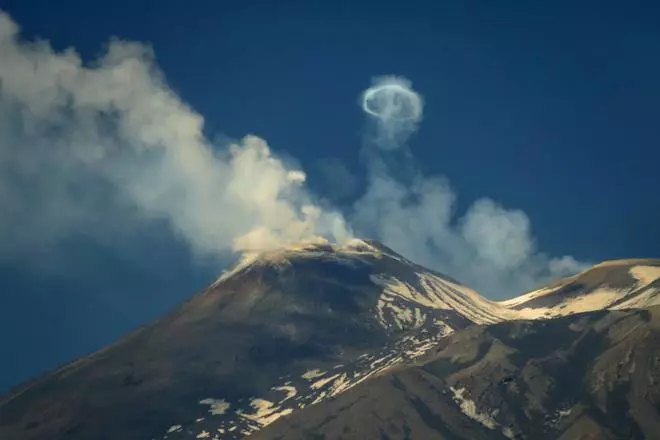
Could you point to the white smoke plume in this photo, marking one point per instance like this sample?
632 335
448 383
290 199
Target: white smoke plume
89 148
83 147
490 248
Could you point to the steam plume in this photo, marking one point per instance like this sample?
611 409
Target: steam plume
94 147
489 248
82 146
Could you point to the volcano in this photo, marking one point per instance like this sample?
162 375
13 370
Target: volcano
355 341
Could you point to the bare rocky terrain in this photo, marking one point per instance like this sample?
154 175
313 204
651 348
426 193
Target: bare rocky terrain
355 341
588 376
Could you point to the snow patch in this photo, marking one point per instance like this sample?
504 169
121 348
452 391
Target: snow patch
266 412
603 297
217 406
340 385
311 374
288 389
469 408
508 432
645 274
320 383
510 303
564 412
644 297
595 300
174 428
404 301
419 348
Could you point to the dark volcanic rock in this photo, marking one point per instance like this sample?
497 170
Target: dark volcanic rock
587 376
322 341
235 343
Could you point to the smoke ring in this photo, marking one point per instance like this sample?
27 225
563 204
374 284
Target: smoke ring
392 101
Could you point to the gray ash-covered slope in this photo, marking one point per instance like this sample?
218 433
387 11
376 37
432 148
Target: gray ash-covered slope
280 331
587 376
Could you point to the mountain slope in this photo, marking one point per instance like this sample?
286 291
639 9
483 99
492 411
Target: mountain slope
594 375
279 332
618 285
276 333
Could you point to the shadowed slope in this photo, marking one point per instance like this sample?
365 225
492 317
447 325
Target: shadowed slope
287 330
308 322
594 375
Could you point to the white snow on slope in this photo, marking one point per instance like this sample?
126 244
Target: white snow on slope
637 294
412 301
469 408
311 374
408 307
307 388
216 406
645 297
645 274
403 306
509 303
596 300
401 302
265 412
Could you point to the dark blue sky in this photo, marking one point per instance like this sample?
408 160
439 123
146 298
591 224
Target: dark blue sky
551 108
